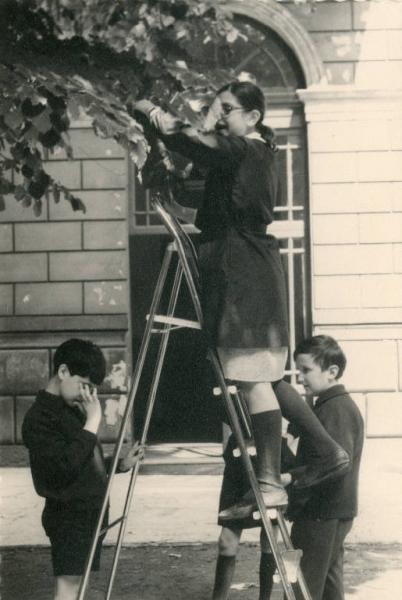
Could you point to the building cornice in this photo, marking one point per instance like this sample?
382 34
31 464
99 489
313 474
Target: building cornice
343 101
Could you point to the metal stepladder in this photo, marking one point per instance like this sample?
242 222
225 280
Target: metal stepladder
272 520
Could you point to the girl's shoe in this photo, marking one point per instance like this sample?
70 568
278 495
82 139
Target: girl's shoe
276 497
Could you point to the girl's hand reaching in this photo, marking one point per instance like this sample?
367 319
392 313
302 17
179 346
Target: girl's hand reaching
213 116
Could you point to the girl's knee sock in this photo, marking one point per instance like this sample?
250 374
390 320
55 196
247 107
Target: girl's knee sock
267 429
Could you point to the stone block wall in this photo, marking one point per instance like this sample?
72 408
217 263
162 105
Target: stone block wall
64 274
358 42
355 162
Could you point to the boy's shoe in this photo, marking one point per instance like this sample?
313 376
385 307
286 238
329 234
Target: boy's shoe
275 498
326 469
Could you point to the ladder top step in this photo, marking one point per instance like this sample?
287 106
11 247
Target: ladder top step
175 321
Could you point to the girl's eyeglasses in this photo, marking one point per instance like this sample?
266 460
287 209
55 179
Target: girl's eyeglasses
228 108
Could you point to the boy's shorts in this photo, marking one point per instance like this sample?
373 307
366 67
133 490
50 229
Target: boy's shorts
70 534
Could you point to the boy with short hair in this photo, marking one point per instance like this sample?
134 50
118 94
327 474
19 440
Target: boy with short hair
66 458
323 515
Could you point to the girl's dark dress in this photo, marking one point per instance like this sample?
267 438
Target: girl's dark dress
243 286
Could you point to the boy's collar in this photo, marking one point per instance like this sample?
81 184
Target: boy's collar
335 390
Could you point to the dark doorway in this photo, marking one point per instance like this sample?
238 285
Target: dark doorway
185 408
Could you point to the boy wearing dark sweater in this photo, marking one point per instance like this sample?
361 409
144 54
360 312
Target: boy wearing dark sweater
323 515
67 463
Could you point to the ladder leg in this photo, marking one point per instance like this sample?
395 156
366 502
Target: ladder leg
288 544
122 529
150 406
266 522
243 413
129 406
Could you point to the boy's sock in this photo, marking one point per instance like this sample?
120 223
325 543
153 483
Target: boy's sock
225 567
267 570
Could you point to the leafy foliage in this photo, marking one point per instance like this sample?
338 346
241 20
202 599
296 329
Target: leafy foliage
63 59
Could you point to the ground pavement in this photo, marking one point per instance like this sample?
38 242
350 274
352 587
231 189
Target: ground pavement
171 535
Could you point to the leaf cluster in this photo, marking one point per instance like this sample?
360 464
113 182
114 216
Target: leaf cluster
68 59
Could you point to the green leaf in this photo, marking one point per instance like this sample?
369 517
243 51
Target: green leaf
6 187
91 59
17 151
37 208
31 110
27 171
59 122
26 201
31 135
77 204
56 193
7 164
14 119
36 189
50 139
73 108
167 20
6 105
19 192
43 122
83 83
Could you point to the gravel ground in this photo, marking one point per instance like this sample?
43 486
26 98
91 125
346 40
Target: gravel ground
181 572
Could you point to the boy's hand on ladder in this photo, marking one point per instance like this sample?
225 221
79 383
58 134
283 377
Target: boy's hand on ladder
135 454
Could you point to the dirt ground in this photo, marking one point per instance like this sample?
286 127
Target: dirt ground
166 572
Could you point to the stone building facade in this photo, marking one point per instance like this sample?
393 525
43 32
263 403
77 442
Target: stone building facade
67 274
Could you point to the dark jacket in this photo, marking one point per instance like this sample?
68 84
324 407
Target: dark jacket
67 462
243 285
337 499
242 185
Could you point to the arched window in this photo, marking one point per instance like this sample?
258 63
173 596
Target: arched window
259 52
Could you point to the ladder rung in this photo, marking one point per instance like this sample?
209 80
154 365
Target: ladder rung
250 449
232 389
291 559
271 513
116 522
164 331
176 321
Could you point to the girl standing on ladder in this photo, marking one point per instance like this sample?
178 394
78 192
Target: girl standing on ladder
243 285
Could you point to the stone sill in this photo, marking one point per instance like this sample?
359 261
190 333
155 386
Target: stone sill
63 323
185 457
